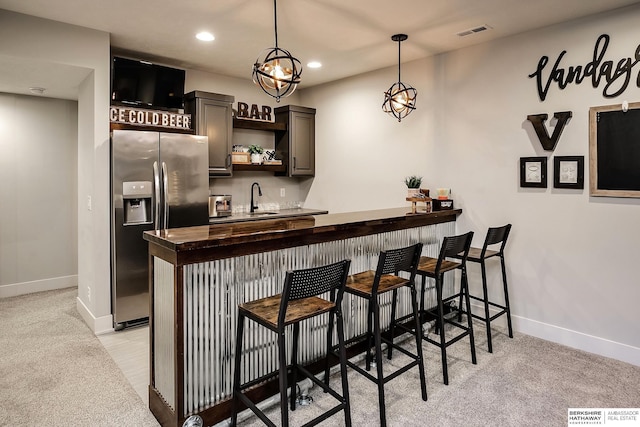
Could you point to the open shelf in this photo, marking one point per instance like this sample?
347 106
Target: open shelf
251 167
258 125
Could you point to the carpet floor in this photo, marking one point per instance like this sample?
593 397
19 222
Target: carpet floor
55 372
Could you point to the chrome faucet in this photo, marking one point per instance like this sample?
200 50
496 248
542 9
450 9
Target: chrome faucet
253 205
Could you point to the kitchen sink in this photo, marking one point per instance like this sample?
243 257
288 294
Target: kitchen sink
261 213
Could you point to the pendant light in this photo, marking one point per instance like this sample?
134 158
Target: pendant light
278 73
400 99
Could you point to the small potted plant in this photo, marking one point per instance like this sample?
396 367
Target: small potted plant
413 185
256 154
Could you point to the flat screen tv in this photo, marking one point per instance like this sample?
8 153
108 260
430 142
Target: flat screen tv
143 84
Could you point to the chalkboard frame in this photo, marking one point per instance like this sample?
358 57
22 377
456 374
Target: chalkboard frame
596 188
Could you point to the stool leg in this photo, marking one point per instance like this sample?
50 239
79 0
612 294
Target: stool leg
369 335
422 290
487 316
460 301
343 369
440 321
465 285
418 333
327 366
393 321
294 365
378 341
236 370
282 378
506 295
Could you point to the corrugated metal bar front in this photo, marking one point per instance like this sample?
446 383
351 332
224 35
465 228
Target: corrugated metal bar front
164 321
213 290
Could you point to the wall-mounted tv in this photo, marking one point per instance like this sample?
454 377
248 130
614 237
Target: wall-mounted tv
143 84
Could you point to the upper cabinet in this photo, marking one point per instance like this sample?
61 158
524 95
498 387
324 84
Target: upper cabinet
212 115
296 145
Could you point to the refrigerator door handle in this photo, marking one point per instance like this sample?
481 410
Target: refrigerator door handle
156 191
165 197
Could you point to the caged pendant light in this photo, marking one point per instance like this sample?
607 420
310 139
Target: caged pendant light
400 99
278 73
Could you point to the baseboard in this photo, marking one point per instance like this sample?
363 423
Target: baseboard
99 325
15 289
570 338
577 340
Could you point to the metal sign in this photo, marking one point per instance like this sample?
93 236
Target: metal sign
142 117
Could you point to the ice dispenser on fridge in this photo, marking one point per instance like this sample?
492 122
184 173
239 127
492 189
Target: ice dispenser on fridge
136 197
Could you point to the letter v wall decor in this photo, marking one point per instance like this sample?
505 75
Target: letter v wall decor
549 143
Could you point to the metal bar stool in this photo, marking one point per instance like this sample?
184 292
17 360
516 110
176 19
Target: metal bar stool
435 268
299 301
495 236
370 285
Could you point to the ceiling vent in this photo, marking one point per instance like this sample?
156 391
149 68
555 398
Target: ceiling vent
474 30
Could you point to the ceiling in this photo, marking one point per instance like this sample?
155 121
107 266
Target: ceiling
347 37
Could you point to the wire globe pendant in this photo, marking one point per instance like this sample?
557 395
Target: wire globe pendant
277 73
400 99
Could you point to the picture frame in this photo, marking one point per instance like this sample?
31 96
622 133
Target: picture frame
613 150
533 172
240 158
568 172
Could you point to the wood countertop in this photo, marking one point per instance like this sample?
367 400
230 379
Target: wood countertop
186 245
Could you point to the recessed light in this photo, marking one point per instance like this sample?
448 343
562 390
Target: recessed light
205 36
314 64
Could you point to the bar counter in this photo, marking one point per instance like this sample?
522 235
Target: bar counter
199 275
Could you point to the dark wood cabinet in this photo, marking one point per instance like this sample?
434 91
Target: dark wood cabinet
296 145
212 115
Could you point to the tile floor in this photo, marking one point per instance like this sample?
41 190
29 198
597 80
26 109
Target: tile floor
130 350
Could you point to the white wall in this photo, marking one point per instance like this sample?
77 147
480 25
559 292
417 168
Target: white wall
38 190
571 258
43 41
363 155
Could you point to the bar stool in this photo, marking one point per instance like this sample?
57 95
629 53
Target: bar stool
435 268
299 301
370 285
495 236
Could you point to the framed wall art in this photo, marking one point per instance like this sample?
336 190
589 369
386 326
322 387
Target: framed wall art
533 172
568 172
614 152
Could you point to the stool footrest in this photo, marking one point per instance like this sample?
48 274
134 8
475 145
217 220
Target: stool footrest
449 342
488 302
321 384
495 316
258 380
306 373
249 404
491 318
386 378
400 349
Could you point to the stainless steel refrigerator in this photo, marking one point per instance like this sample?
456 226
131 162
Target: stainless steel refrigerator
158 180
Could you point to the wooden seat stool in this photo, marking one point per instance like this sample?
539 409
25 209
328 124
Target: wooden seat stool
435 268
299 301
495 236
370 285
